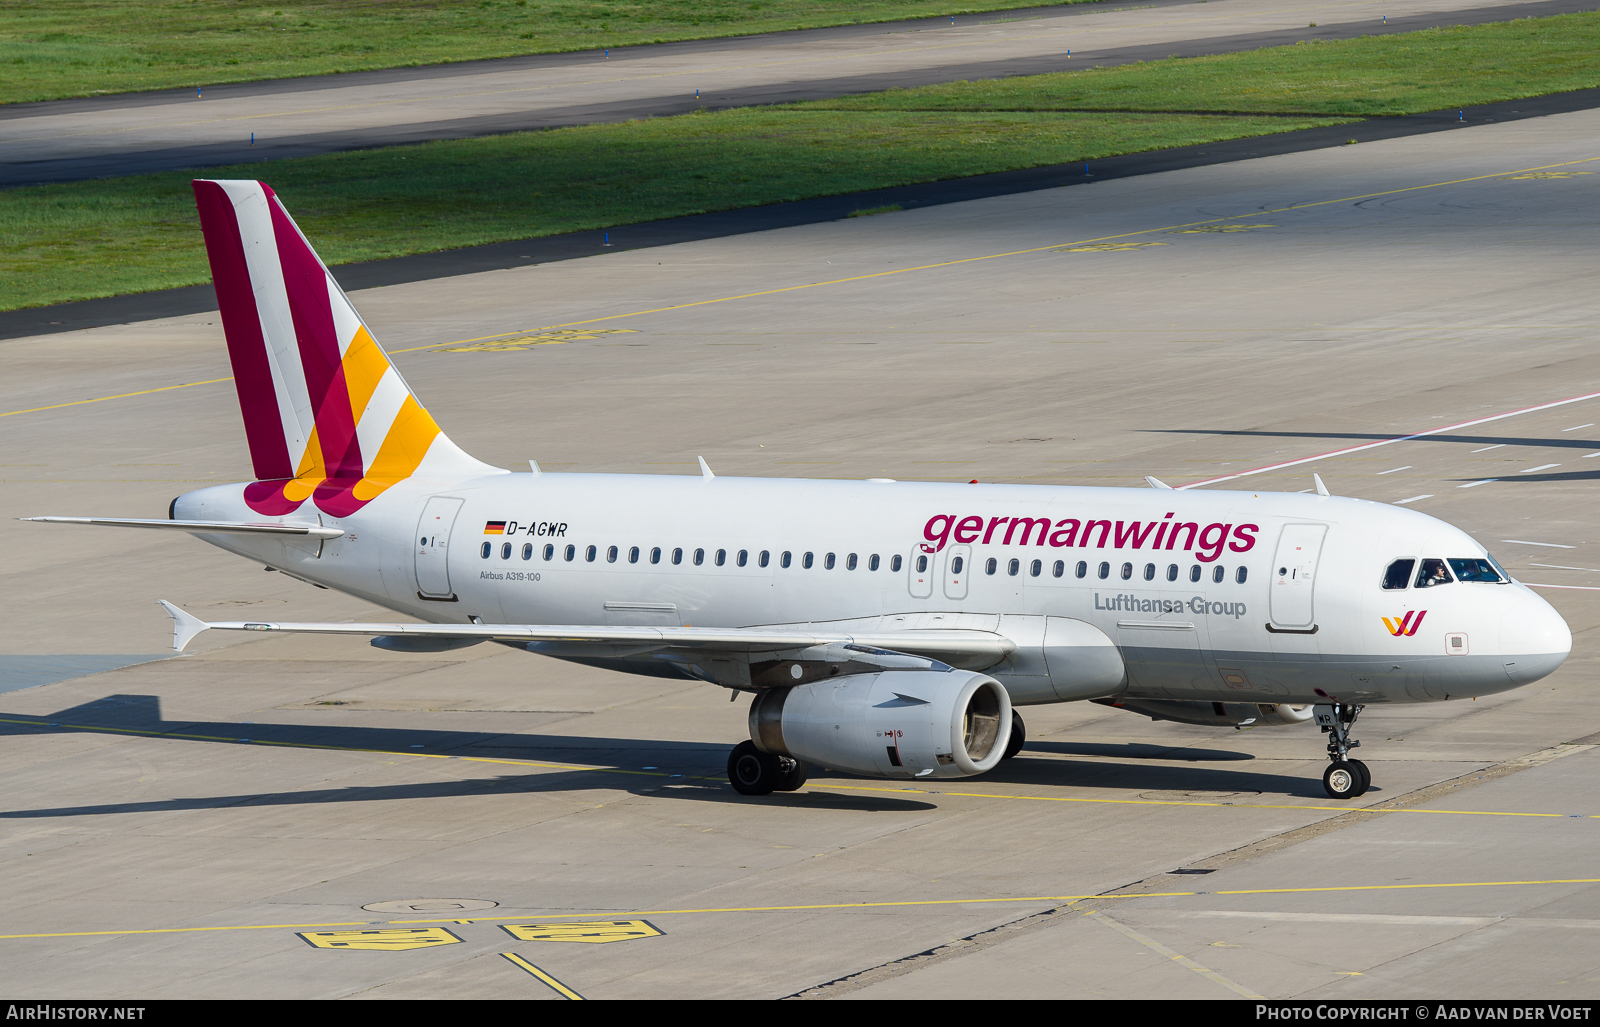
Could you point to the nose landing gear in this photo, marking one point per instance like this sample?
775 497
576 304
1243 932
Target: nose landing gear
1345 778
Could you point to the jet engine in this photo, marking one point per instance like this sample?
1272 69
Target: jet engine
1213 714
899 723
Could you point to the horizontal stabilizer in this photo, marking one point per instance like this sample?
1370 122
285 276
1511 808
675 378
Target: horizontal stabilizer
200 527
946 645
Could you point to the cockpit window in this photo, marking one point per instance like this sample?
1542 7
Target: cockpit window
1433 572
1475 570
1398 574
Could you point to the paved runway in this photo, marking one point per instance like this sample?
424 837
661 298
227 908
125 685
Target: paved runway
245 801
119 135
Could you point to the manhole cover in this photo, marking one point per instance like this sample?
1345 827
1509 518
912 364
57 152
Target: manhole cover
429 906
1197 796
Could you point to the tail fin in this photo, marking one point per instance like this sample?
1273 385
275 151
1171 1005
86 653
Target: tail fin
325 413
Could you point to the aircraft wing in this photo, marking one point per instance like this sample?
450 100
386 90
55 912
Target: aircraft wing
950 645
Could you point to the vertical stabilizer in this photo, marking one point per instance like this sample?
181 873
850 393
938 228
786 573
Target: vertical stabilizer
326 414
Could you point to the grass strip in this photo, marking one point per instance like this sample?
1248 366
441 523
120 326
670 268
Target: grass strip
117 236
50 49
1372 76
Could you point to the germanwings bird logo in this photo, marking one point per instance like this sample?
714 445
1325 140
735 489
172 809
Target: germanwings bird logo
1405 627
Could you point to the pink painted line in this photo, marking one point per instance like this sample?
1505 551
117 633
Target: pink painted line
1390 442
1580 588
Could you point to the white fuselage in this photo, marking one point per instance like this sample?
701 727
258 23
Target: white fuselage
1187 584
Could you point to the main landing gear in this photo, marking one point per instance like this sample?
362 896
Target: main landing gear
753 772
1345 778
1019 734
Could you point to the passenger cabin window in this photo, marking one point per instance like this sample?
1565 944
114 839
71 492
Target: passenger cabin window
955 565
1060 568
571 553
783 561
894 564
1105 570
1194 573
1172 572
722 557
1127 571
505 550
922 565
1476 570
991 566
1149 572
1218 573
699 557
744 557
1240 575
633 554
1082 570
527 550
765 556
850 562
1013 567
827 562
488 547
1398 574
655 554
1036 568
589 554
1433 572
611 555
549 552
872 562
806 560
677 556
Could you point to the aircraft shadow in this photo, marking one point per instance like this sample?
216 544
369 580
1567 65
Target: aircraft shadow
141 716
1476 440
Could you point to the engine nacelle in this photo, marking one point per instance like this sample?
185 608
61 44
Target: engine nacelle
1213 714
898 723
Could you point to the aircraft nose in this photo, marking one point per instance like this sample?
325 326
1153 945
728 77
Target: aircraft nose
1534 640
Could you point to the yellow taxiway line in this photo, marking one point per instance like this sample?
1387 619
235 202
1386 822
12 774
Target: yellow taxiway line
817 906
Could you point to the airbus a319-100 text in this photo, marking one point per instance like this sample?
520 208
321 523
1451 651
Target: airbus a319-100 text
882 627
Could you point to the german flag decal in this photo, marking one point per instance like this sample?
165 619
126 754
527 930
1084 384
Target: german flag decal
495 528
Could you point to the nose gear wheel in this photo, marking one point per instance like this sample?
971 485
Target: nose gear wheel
1345 778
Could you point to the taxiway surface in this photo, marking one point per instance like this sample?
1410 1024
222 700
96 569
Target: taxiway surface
135 133
196 826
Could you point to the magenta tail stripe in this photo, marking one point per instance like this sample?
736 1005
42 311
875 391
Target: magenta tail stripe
241 324
306 282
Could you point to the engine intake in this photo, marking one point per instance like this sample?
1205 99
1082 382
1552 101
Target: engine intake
900 723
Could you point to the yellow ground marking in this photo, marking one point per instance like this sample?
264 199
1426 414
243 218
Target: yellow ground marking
885 274
393 939
1217 228
553 338
1051 899
1109 247
1547 174
593 932
121 395
1177 957
557 986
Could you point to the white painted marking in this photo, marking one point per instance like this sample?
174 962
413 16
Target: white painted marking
1587 456
1485 449
1391 470
1525 542
1390 442
1541 467
1577 426
1413 499
1475 484
1560 567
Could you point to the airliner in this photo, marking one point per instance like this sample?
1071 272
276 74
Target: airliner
881 627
